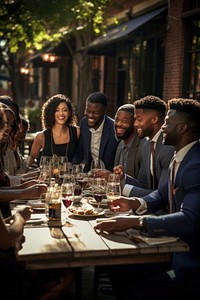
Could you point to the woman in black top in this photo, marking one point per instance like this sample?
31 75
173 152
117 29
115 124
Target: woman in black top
60 130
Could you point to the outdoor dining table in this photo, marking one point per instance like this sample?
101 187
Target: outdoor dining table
54 244
60 244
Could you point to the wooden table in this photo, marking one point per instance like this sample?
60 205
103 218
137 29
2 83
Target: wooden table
78 245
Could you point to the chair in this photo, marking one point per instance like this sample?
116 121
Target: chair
100 278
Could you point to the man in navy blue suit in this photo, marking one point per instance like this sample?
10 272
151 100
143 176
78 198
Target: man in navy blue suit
182 130
97 138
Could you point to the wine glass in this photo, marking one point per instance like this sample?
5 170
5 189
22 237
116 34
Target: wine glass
67 195
99 190
63 160
63 165
45 161
96 166
44 177
76 169
82 179
113 192
112 177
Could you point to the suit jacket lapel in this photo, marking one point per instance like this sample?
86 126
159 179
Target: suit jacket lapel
105 136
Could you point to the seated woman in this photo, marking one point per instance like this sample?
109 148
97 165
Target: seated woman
60 130
16 281
28 190
10 156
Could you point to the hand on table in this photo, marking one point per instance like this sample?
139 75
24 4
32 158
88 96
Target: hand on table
34 191
117 224
124 204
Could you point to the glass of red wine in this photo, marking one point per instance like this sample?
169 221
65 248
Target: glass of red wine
67 195
99 190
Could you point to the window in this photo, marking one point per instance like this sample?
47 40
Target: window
191 88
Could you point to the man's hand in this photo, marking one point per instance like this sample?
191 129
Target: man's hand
117 224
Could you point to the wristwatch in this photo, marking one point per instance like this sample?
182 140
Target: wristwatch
141 222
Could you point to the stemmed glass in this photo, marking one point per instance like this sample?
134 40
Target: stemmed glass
63 168
99 190
112 177
45 175
113 192
67 195
96 166
76 169
45 161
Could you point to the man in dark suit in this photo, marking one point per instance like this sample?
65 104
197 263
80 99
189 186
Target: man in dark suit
97 138
182 130
150 112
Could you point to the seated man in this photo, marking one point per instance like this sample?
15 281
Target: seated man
149 117
181 194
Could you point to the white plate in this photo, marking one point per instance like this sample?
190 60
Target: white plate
35 220
108 213
97 213
104 202
36 204
19 201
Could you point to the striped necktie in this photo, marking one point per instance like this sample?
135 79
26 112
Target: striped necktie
171 184
153 171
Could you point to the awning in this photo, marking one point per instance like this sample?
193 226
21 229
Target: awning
120 32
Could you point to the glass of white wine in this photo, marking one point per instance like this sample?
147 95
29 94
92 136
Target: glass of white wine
45 161
113 192
96 166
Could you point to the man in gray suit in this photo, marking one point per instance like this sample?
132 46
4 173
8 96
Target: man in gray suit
129 150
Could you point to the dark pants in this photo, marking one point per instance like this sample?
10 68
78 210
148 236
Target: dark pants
146 281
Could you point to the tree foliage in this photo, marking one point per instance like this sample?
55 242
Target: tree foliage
28 26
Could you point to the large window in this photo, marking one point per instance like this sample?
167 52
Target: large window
191 88
146 68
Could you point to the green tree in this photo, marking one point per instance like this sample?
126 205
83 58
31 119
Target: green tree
28 26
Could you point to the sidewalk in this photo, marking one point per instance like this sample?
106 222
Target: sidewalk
87 287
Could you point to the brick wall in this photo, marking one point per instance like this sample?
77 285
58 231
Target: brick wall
174 48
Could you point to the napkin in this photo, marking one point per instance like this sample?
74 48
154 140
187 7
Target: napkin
36 203
152 240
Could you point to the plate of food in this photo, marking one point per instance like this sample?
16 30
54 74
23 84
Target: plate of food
86 212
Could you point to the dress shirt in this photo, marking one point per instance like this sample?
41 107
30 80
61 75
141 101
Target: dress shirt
179 156
127 187
96 140
124 154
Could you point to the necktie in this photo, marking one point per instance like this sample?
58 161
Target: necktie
171 185
154 185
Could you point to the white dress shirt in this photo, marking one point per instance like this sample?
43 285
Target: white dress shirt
96 140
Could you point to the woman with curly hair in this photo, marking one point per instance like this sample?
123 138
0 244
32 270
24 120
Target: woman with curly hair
60 132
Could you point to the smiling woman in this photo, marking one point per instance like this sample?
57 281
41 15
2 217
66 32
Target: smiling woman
60 130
